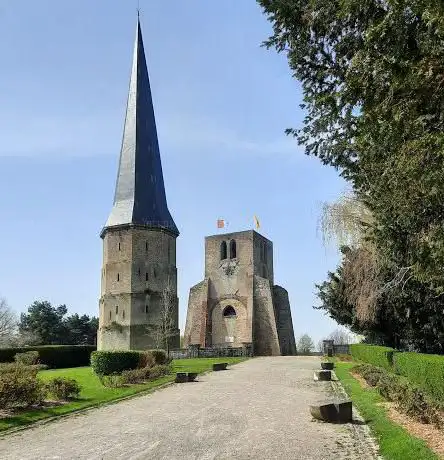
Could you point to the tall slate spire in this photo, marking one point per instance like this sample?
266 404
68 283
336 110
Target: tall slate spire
140 193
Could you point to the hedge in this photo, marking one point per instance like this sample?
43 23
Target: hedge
426 371
114 362
373 354
54 356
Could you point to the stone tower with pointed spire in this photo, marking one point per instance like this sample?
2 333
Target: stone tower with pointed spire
139 238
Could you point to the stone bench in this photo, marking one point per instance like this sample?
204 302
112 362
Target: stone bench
182 377
336 410
220 366
323 376
327 366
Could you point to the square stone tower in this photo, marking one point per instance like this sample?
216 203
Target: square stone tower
139 275
237 303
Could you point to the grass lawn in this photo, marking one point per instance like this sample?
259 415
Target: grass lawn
94 393
394 441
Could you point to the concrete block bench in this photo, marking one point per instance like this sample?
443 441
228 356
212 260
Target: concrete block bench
220 366
336 410
327 366
182 377
322 375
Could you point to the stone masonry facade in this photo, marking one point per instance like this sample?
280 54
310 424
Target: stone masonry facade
138 264
237 303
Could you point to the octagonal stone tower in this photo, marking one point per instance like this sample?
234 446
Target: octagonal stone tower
237 303
139 237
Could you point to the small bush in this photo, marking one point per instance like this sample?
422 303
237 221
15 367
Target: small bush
409 399
112 381
19 387
114 362
160 356
136 375
63 388
159 371
373 354
146 359
146 373
28 358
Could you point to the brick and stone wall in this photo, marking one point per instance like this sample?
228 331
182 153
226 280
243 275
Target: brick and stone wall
138 264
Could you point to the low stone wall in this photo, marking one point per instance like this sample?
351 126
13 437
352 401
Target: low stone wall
194 351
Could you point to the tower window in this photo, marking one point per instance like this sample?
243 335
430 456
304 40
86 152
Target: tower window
223 250
146 308
229 312
139 271
232 249
146 276
117 309
110 315
119 246
146 246
118 277
123 314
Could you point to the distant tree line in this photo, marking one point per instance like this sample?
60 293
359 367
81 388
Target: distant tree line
44 324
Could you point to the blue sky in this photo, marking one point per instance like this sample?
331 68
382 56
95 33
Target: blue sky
222 104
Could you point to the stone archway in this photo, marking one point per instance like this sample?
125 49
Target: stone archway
229 324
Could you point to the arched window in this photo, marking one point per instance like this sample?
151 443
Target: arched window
223 250
229 312
232 249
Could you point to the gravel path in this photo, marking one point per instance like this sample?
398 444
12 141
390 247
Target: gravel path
255 410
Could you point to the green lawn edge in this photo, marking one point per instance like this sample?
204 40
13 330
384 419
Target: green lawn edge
394 441
30 418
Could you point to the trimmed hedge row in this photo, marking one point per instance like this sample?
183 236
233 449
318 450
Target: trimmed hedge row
373 354
427 371
54 356
116 361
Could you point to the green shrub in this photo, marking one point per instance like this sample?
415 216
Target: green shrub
409 399
426 371
373 354
28 358
63 388
160 356
112 381
159 371
20 388
114 362
146 359
54 356
136 375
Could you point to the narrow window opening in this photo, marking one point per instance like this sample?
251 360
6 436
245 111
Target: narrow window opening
123 314
110 315
118 276
117 309
233 249
223 250
146 246
119 246
146 308
229 312
146 276
139 271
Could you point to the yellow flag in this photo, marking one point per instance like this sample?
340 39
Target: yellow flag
256 222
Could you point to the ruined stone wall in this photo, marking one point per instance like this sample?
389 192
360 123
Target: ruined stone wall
284 323
265 336
195 327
